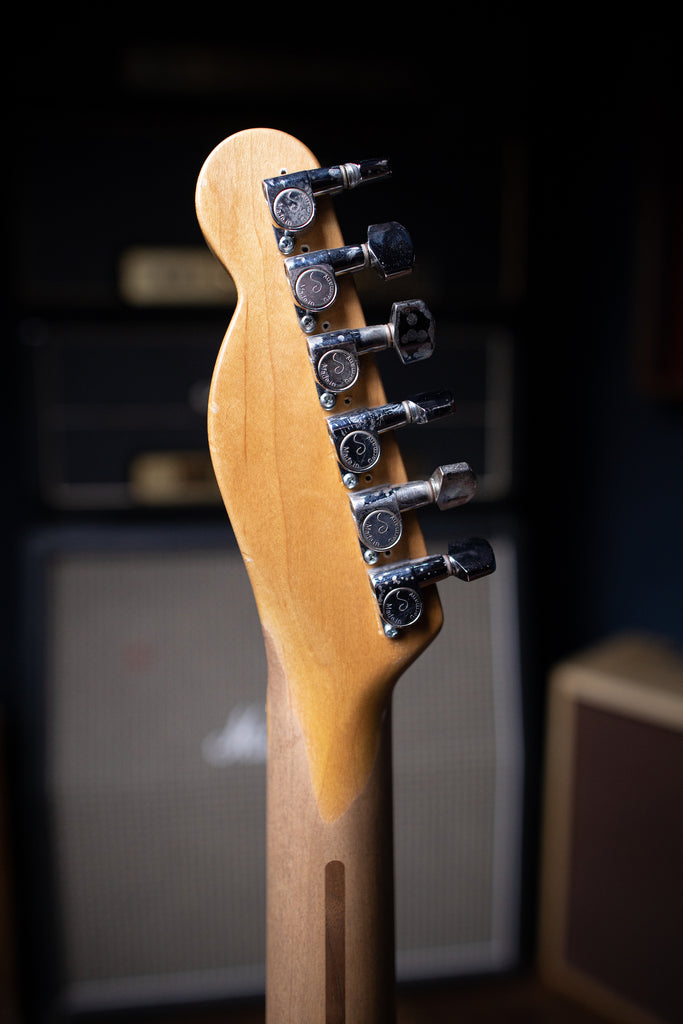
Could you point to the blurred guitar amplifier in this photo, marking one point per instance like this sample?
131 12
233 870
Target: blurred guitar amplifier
119 407
143 746
612 892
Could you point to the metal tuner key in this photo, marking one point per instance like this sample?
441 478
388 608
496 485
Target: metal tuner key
398 587
378 511
355 434
313 275
334 355
291 197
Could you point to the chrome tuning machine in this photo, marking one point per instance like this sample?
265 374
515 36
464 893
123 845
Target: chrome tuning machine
291 197
410 331
397 587
378 511
355 434
313 275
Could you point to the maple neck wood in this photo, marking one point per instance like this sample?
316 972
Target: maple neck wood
332 668
330 894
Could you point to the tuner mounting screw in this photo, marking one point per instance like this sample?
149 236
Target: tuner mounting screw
390 631
328 400
371 557
350 481
286 244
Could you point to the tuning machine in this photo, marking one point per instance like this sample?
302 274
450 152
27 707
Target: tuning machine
397 588
378 511
313 275
291 197
355 434
334 355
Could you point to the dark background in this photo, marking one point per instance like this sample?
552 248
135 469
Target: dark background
538 167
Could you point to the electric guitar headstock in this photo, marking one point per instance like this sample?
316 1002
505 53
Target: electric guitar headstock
303 445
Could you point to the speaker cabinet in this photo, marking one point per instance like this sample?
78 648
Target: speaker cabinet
147 727
612 889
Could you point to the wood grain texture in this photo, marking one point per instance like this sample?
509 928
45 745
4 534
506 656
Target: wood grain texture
278 474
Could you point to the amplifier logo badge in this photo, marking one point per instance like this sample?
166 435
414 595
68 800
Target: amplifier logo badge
242 740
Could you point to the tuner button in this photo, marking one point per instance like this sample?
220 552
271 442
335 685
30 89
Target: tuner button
391 249
453 485
431 405
472 558
412 330
371 170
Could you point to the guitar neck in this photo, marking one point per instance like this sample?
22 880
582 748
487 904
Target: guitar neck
286 477
330 951
330 926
